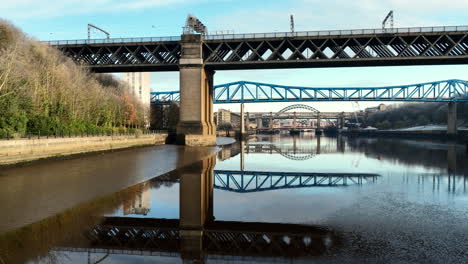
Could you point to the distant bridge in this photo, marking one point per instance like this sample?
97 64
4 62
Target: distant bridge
254 92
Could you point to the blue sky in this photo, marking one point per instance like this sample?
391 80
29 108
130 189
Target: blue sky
67 19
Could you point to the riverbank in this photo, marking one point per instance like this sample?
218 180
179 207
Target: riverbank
16 151
48 188
462 135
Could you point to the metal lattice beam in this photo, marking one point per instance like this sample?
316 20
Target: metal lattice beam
149 236
256 181
254 92
339 48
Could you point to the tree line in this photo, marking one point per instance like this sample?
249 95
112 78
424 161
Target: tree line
43 91
415 114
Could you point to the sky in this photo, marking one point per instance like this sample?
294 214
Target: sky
68 19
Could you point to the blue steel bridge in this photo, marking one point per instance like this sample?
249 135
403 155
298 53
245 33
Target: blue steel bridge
258 181
255 92
241 181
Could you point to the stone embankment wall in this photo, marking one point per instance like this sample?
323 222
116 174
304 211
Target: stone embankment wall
23 150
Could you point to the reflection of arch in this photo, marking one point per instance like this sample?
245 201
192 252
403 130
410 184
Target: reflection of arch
292 155
297 106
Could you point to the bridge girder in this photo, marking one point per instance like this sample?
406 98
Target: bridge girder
340 48
254 92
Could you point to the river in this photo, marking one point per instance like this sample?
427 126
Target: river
278 198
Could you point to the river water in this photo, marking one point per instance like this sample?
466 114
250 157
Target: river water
281 199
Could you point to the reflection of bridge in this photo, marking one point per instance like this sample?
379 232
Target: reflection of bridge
240 181
256 181
140 236
290 152
452 183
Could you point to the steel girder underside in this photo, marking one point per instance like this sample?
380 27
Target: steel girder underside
338 51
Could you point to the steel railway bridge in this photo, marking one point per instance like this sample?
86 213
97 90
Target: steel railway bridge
337 48
197 56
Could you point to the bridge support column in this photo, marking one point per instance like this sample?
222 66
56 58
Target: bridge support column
196 126
452 119
241 134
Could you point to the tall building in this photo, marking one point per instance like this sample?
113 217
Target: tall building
140 85
226 116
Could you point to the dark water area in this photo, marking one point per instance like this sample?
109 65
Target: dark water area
271 199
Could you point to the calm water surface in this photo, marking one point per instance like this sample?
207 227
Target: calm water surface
284 199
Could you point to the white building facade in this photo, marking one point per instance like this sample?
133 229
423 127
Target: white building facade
140 86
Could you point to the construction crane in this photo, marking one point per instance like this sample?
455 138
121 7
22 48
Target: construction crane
356 108
91 26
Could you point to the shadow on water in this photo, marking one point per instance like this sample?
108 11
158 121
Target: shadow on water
272 199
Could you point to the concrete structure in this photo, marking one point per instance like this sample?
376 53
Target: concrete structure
242 121
24 150
452 119
196 126
140 85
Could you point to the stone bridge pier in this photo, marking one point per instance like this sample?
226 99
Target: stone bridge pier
196 125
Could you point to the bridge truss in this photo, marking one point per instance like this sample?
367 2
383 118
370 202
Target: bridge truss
337 48
254 92
137 236
256 181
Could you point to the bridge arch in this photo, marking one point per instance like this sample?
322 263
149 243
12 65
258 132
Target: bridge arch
297 106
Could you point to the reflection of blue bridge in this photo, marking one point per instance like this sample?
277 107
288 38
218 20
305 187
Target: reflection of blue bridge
256 181
253 92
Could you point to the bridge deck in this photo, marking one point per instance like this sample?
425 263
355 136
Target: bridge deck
340 48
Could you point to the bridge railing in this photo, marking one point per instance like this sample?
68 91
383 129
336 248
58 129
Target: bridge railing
62 134
338 32
267 35
113 40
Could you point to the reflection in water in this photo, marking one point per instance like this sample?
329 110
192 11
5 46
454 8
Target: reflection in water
274 199
141 204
